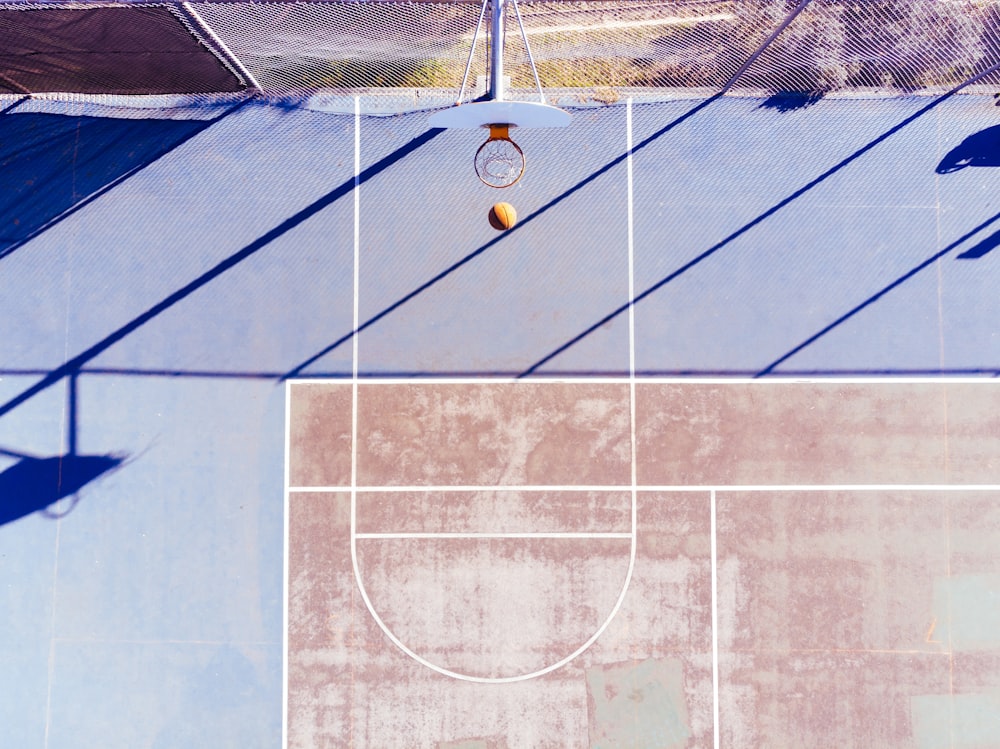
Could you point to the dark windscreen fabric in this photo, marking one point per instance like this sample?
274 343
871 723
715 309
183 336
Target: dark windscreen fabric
124 50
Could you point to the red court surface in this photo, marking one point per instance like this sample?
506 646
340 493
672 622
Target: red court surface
642 563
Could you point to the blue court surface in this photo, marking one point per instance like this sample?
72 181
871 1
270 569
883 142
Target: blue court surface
163 272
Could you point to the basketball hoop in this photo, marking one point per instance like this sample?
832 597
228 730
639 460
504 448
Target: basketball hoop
499 161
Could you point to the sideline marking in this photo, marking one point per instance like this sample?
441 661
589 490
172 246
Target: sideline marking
632 488
715 630
286 574
354 367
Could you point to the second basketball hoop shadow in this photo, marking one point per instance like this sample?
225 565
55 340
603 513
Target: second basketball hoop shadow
980 149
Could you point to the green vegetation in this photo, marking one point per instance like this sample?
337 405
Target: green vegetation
890 44
901 45
402 73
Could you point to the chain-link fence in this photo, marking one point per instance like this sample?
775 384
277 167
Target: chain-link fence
412 55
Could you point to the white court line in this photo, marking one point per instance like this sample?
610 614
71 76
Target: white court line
715 630
633 442
286 575
228 55
825 488
357 248
443 535
354 362
356 314
460 488
657 488
631 275
769 381
355 536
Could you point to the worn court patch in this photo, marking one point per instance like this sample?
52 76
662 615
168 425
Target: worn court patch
638 705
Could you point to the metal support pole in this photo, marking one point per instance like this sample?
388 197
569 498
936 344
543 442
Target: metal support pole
496 92
527 48
472 52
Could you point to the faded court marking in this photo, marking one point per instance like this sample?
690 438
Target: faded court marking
492 679
479 381
695 488
445 535
541 379
286 569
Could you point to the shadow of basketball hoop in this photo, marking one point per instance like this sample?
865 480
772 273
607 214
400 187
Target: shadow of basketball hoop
979 149
493 608
36 484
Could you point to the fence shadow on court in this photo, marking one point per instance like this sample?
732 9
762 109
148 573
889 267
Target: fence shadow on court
54 164
929 262
300 368
791 101
73 366
77 363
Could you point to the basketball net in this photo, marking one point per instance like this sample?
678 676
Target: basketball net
499 161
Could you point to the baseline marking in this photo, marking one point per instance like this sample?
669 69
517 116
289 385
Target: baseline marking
770 381
444 535
659 488
632 488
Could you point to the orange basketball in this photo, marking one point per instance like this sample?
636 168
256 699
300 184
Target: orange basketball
502 216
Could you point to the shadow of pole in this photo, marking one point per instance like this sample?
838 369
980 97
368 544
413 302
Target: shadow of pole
756 221
298 369
981 249
15 105
875 297
75 364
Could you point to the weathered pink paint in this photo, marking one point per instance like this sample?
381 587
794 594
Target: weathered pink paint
320 434
494 512
840 612
494 434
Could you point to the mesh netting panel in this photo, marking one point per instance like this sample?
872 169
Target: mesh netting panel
412 55
881 46
607 45
592 47
106 50
295 48
600 48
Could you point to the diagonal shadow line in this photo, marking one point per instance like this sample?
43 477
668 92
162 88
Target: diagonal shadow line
981 249
345 377
16 454
15 105
297 370
754 222
875 297
119 180
72 366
